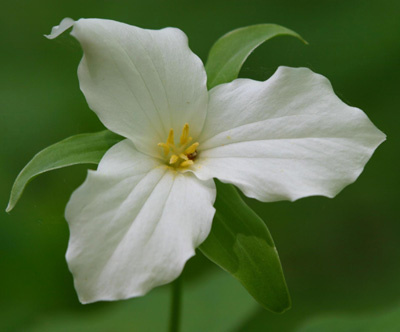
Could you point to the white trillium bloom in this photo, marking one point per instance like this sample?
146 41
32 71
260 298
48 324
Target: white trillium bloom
136 220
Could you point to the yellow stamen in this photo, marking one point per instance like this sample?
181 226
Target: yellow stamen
183 156
165 147
186 163
170 139
185 134
191 148
174 158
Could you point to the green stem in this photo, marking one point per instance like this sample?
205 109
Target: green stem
174 323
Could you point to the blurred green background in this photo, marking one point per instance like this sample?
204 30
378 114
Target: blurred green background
341 257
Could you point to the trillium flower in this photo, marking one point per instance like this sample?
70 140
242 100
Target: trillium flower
138 218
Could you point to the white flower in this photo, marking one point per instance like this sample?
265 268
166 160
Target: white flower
136 220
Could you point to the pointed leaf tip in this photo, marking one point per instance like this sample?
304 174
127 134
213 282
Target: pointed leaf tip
241 244
228 54
79 149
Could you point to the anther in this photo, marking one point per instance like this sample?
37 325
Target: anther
191 148
165 147
170 140
185 134
174 158
186 163
183 156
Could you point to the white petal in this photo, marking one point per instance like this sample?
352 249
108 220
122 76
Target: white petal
286 138
57 30
141 83
133 225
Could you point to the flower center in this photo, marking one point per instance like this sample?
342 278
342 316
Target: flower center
183 154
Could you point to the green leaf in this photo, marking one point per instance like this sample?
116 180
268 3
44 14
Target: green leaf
79 149
228 54
241 244
239 241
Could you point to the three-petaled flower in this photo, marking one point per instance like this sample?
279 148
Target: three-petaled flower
138 218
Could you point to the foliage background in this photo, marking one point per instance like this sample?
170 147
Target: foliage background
340 256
